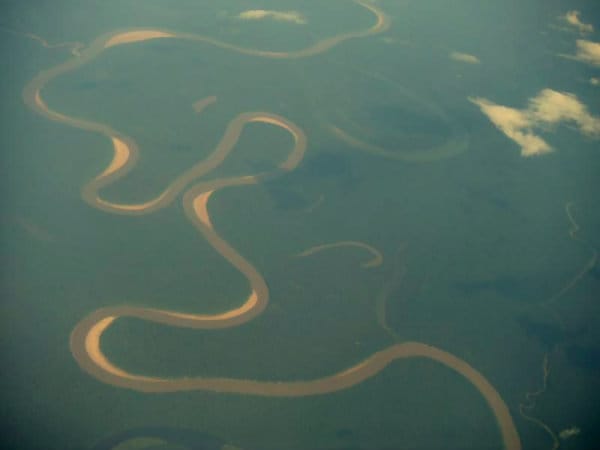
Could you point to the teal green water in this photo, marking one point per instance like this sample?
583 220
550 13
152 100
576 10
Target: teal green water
481 237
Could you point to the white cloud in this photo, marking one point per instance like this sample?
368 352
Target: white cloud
549 107
464 57
553 107
572 18
514 124
282 16
595 81
587 52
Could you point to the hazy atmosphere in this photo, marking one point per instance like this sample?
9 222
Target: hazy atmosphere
303 225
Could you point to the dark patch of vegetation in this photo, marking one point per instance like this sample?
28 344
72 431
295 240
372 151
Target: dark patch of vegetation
509 287
584 357
548 334
288 191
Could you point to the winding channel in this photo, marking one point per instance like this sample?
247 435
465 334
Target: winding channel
455 144
375 262
85 339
